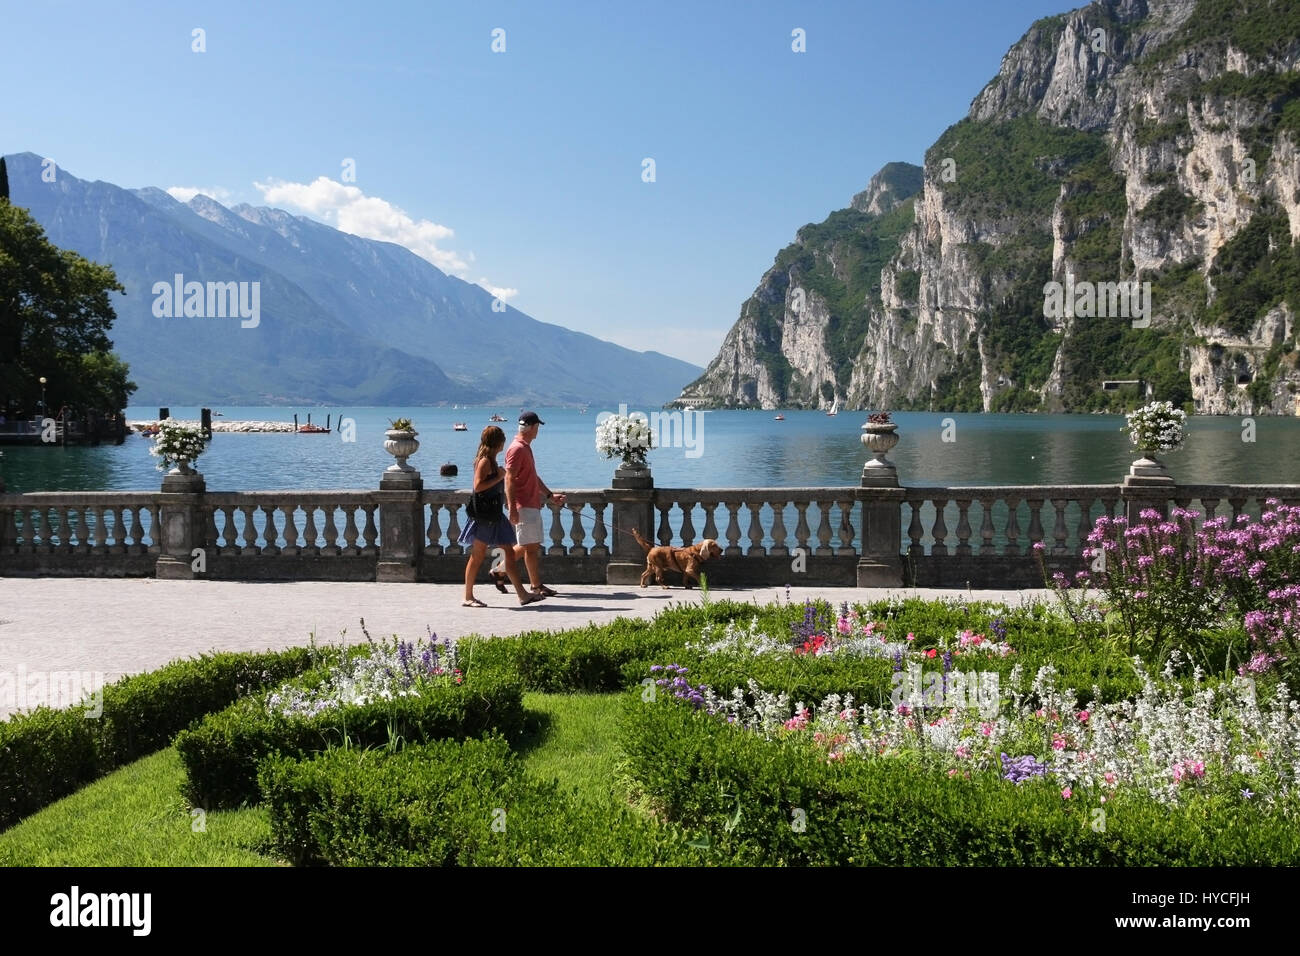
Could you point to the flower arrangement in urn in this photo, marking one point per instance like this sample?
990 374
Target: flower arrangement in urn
178 444
881 420
1156 427
624 436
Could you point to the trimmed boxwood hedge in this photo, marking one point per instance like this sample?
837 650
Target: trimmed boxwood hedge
49 753
450 803
744 791
222 752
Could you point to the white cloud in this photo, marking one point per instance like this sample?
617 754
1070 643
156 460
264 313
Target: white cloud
186 193
369 217
500 292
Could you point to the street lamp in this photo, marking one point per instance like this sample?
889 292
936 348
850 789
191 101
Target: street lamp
42 396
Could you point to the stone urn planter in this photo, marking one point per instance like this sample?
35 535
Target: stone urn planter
880 440
1148 466
401 444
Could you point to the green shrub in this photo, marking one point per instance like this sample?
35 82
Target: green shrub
779 802
595 658
449 803
221 754
48 754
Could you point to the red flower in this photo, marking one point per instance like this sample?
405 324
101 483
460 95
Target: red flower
931 652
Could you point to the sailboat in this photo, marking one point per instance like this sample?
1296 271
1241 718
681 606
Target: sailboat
835 406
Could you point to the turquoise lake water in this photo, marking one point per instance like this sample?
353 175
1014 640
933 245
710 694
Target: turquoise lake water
721 449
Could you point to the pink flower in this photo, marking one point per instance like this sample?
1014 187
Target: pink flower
1067 793
952 773
911 636
1040 712
904 709
843 625
1058 741
1083 716
986 729
962 752
1109 777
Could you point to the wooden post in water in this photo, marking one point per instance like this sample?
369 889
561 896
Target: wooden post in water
295 421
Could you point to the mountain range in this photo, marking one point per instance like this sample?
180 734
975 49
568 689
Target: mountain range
342 320
1149 145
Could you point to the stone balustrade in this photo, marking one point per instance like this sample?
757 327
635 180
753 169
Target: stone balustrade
876 533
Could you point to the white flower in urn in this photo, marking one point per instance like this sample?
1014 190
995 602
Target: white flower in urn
624 436
177 444
1156 427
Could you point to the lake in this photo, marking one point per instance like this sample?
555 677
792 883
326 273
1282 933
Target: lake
723 449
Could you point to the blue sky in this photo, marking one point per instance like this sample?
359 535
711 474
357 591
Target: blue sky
520 170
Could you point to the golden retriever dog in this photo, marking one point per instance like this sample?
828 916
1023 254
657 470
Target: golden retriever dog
685 561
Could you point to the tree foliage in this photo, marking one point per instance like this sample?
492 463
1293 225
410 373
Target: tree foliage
55 315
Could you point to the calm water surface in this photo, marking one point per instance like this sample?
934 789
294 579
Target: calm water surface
728 449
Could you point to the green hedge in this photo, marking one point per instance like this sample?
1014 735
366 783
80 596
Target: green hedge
449 803
221 754
597 658
743 791
49 753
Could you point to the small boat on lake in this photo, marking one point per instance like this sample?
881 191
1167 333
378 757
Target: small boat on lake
497 418
460 427
310 429
835 407
779 418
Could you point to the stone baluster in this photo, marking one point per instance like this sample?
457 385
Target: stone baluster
986 526
1035 520
688 525
823 528
271 529
557 531
1084 527
755 505
577 534
778 527
710 529
350 531
940 529
963 527
371 532
331 532
1013 526
1238 507
1058 529
310 535
801 530
915 531
733 528
847 533
291 530
598 531
665 532
1209 506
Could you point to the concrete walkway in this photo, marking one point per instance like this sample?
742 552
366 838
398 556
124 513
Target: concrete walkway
110 627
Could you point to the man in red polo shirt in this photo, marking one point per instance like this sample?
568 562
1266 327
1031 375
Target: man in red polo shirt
525 492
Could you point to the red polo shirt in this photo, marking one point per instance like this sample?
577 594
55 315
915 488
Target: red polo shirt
527 486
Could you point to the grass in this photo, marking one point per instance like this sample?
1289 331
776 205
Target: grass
574 737
136 816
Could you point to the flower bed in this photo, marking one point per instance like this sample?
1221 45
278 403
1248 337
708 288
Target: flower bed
393 694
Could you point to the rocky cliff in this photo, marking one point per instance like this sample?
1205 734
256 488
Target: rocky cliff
1140 153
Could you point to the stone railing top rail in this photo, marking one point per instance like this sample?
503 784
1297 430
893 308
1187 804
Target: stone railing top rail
919 492
360 495
79 497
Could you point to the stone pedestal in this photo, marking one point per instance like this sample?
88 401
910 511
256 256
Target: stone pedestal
180 515
881 564
632 494
1148 484
401 526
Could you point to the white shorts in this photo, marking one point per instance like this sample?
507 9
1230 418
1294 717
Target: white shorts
529 528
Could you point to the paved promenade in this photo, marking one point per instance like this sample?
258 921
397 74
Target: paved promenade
112 627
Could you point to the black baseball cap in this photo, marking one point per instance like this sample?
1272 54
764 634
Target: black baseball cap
530 418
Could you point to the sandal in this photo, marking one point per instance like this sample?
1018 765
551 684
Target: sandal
499 579
472 602
544 591
532 599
